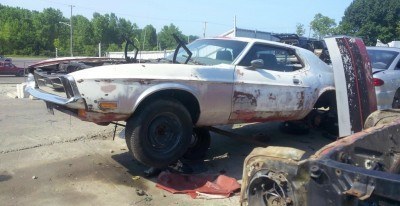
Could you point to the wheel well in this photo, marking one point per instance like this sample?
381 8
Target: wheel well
187 99
327 99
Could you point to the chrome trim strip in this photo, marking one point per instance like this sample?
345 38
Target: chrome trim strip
75 102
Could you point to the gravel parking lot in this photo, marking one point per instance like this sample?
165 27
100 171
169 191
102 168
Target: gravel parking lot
60 160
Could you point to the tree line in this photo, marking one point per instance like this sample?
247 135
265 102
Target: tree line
369 19
25 32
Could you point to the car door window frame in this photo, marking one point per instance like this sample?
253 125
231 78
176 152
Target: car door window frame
272 58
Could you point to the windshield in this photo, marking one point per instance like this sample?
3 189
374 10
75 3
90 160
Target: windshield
381 59
211 51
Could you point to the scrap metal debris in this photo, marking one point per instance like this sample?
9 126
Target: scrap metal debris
204 186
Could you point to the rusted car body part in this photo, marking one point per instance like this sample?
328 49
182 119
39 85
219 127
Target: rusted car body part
361 169
355 94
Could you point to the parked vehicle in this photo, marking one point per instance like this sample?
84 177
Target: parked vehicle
7 68
3 58
210 82
386 72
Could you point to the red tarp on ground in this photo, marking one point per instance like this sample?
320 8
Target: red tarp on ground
198 186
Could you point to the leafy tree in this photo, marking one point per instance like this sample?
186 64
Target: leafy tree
372 20
300 30
191 38
84 44
149 38
165 38
25 32
322 26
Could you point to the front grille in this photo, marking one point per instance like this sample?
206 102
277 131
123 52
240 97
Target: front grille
53 84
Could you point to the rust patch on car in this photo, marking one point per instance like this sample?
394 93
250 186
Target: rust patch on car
245 98
239 73
144 81
108 88
104 80
97 117
271 96
300 103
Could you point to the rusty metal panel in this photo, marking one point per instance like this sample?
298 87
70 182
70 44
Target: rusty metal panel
355 93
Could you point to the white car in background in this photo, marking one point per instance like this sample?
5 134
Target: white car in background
386 72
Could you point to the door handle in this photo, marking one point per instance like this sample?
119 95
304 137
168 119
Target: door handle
296 81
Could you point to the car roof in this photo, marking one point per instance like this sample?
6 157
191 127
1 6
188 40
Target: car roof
255 40
383 48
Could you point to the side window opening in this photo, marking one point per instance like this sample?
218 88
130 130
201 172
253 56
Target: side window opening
274 58
397 65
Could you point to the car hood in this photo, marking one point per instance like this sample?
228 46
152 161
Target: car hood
160 71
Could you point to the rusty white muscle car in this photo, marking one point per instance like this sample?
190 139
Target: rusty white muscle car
168 103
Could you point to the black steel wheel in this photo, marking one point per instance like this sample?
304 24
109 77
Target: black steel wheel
396 100
160 133
200 142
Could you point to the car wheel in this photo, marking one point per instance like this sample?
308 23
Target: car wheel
20 74
396 100
199 144
159 134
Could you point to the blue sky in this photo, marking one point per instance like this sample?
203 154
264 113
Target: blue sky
264 15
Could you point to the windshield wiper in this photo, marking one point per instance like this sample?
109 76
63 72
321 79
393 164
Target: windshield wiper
193 61
127 58
183 45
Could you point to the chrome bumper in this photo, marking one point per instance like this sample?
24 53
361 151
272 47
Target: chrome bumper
69 98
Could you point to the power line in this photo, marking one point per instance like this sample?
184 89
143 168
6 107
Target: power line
141 17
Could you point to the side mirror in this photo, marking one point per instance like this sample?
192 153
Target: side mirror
257 63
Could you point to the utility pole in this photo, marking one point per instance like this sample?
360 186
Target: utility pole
144 39
100 49
205 28
234 26
70 25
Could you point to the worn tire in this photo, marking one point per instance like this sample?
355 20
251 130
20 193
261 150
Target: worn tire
20 74
396 100
159 134
199 145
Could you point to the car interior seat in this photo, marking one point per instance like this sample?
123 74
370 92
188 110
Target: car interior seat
224 55
270 61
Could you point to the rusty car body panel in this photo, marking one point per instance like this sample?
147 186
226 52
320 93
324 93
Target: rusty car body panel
361 169
225 92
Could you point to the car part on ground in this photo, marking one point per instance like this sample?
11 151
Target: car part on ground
355 170
355 96
361 169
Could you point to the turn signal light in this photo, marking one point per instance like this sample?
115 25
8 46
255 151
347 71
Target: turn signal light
108 105
378 82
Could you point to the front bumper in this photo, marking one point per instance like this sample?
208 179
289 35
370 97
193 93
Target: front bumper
68 96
